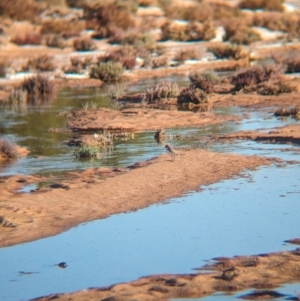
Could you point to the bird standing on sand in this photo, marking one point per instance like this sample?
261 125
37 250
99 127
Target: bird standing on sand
171 151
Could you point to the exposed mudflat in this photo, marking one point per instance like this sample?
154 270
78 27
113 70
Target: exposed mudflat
264 272
90 197
289 134
140 119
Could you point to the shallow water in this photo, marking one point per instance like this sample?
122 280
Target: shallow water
242 216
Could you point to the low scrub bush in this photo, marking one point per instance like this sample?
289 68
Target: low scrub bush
257 74
238 31
54 40
286 22
125 55
291 59
192 94
27 39
160 91
21 9
84 44
159 62
8 149
274 5
188 32
67 28
274 88
108 71
39 88
205 81
228 51
41 63
106 18
187 54
78 64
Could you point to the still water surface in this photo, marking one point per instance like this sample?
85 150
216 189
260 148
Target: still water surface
242 216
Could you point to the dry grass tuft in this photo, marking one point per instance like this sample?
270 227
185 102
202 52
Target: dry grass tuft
39 89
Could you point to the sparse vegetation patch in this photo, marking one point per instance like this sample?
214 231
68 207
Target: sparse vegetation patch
8 150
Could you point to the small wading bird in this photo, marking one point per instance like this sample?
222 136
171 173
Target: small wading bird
171 151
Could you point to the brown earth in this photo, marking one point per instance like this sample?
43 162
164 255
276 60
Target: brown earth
289 134
140 119
263 272
69 203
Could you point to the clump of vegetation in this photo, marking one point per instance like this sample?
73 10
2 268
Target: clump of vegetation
238 32
21 9
286 22
78 64
275 5
193 31
159 62
64 27
255 75
274 88
282 112
108 71
291 59
125 55
205 81
54 40
192 94
187 54
86 151
33 38
39 88
41 63
8 149
160 91
229 51
84 44
106 18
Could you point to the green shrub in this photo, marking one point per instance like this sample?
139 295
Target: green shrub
86 151
108 72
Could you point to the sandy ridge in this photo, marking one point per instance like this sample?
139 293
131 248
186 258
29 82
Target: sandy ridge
39 215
